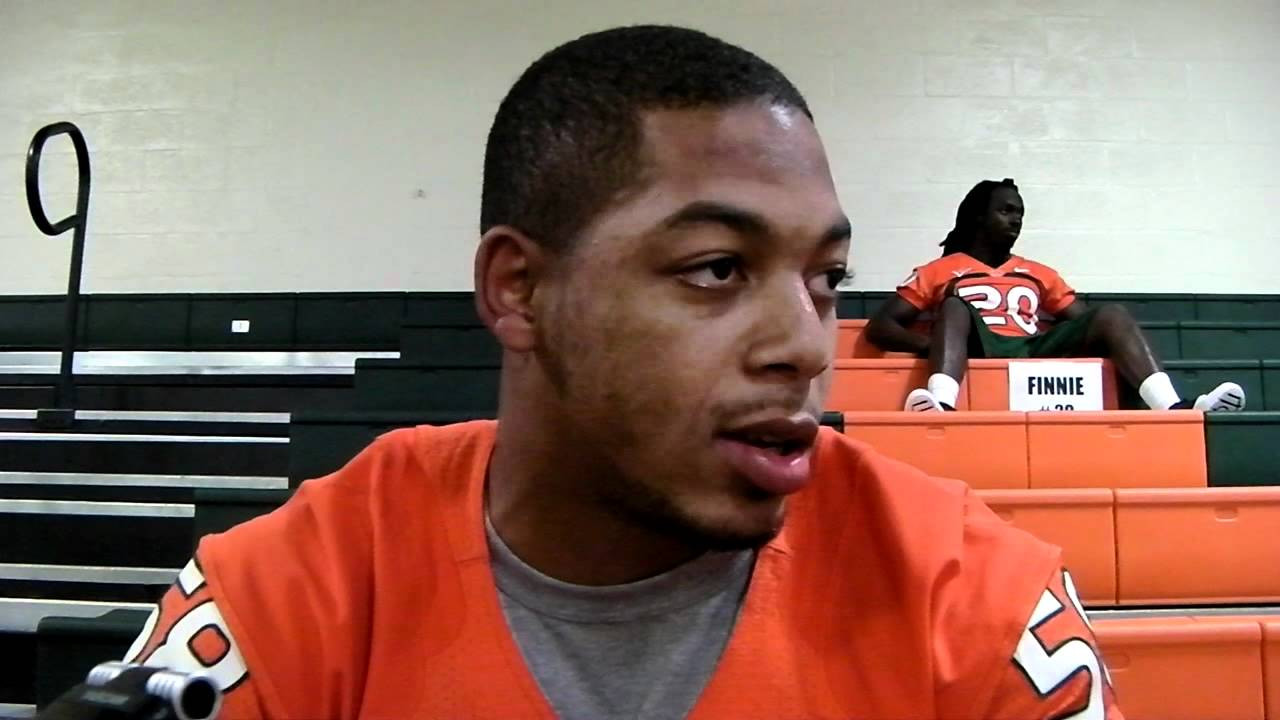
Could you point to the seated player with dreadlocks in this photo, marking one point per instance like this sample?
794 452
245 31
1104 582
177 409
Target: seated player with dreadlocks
987 302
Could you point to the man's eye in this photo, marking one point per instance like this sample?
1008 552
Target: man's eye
723 268
717 273
827 282
835 277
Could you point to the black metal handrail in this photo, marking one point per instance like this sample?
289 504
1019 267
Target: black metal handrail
65 398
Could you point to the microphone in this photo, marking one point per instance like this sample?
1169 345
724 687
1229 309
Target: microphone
124 691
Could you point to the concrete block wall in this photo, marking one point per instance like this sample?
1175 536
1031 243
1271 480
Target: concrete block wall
328 145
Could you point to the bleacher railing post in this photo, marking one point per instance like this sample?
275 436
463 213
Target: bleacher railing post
65 399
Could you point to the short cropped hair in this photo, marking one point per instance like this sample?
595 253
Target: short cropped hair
567 138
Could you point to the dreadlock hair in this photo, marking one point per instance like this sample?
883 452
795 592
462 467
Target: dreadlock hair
976 203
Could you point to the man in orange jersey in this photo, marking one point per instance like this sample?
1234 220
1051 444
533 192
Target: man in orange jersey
987 302
656 526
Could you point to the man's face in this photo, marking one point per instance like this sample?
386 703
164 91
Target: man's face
690 331
1003 221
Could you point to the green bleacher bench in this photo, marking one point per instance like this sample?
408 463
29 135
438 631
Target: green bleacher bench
1271 383
872 300
849 305
1243 448
208 393
346 321
1149 307
1193 378
135 322
449 345
17 667
31 322
67 648
382 384
372 320
1230 340
1238 308
89 534
1164 338
218 510
442 308
271 319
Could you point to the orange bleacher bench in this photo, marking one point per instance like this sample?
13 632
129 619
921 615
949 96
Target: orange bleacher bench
882 384
1137 449
851 342
1007 450
1158 547
985 449
1182 668
1080 521
1209 545
1271 664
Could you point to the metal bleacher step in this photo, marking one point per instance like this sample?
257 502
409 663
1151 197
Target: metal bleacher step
23 615
35 581
157 422
79 532
1226 611
236 381
136 453
163 416
164 362
126 487
232 393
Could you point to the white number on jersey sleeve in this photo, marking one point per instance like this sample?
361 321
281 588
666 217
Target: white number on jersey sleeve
183 627
1050 668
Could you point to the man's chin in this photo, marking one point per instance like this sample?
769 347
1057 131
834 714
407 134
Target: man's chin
735 541
734 533
718 534
722 522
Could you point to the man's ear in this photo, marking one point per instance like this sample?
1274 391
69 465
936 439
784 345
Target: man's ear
507 269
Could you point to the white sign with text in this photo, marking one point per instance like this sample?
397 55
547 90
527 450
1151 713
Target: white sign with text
1037 385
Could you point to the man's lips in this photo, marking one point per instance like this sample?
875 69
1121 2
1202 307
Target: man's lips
774 453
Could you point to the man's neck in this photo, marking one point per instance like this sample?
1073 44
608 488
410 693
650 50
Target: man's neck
988 254
543 505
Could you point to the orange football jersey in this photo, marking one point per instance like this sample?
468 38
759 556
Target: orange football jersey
1010 298
888 594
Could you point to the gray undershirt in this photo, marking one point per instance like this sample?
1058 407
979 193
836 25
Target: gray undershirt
621 652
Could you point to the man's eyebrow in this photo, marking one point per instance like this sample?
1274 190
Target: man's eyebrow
838 232
743 222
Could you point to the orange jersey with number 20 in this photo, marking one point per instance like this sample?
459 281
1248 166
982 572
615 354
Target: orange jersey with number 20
1010 298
